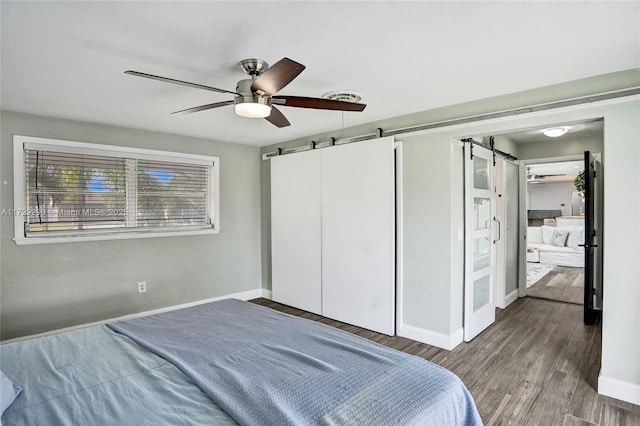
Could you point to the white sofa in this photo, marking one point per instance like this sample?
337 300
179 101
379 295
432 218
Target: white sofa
556 245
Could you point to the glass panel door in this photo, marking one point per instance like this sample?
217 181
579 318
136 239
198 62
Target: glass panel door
480 246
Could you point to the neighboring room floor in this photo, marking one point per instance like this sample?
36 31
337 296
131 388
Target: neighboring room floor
560 283
537 364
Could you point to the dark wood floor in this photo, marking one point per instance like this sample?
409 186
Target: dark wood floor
563 283
536 365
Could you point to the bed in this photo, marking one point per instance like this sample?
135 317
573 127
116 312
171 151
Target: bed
225 363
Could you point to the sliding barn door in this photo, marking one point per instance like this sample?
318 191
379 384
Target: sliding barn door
480 247
507 218
358 234
296 230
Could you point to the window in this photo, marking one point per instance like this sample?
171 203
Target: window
74 191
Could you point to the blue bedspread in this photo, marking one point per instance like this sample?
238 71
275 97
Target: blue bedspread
264 367
95 377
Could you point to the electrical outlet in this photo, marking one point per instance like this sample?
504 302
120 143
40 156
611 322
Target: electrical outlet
142 286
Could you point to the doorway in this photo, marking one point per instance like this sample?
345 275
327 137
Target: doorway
555 230
551 164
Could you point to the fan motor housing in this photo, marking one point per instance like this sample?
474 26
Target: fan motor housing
253 99
244 87
249 104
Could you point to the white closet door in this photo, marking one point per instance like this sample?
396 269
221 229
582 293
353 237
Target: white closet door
295 230
358 234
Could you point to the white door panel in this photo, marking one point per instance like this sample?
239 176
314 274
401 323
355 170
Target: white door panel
510 226
296 230
358 234
480 248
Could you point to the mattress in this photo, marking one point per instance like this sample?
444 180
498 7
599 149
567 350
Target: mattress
223 363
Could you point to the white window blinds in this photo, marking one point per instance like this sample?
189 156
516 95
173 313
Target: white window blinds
78 191
74 192
172 194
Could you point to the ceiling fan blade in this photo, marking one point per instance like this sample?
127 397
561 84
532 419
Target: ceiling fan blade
277 118
317 103
277 76
203 107
180 82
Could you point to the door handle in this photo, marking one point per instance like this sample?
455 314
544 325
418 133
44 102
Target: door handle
499 230
587 245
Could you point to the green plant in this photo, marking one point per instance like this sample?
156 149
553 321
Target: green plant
580 184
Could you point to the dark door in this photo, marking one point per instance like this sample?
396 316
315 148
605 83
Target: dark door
590 314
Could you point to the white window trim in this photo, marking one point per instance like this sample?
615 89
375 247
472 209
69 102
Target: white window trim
19 143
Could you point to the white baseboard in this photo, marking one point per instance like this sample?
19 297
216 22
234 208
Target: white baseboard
444 341
619 389
244 295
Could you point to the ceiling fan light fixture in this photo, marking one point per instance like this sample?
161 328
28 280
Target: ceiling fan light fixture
555 132
253 106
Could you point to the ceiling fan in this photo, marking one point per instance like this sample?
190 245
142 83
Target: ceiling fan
533 178
256 97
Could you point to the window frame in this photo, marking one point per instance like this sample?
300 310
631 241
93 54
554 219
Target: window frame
19 189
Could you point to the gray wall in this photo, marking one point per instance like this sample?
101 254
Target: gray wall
49 286
551 196
560 147
505 144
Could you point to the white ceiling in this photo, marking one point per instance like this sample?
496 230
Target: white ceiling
577 130
66 59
